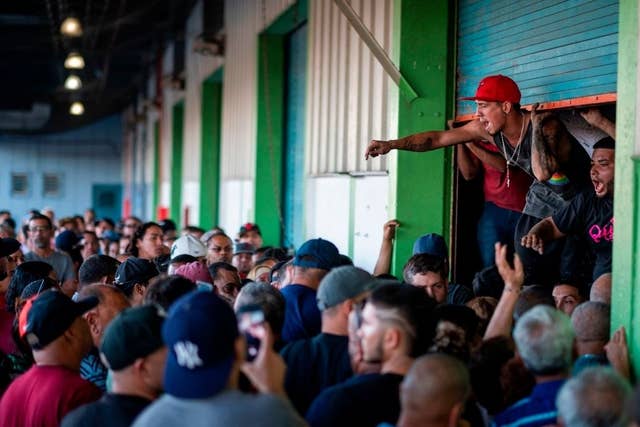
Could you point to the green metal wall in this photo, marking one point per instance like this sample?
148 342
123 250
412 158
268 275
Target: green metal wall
210 122
625 298
156 169
271 116
421 182
175 209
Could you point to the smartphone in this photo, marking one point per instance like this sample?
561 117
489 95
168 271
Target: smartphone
250 324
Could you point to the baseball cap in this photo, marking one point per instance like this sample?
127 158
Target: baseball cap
343 283
200 332
67 241
195 271
134 270
249 226
48 315
243 248
8 246
431 244
497 88
317 253
188 245
136 332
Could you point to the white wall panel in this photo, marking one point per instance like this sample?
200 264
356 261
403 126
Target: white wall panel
331 224
350 96
236 198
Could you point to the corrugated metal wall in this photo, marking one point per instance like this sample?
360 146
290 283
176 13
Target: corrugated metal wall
555 50
244 20
350 99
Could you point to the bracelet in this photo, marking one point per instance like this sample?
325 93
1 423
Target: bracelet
512 290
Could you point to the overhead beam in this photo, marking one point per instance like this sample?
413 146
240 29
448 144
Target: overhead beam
378 52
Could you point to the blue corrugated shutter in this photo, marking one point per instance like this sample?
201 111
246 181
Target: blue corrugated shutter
293 195
554 49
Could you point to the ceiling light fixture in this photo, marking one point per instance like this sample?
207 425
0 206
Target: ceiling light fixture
77 108
74 61
73 82
71 27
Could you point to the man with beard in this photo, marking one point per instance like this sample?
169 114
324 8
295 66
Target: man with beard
40 233
396 328
589 214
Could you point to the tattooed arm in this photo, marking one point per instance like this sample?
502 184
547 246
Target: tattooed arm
550 144
430 140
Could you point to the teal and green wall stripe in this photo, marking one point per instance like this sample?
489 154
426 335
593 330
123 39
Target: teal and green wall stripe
156 169
175 209
271 116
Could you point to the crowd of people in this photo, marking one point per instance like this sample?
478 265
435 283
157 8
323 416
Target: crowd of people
145 324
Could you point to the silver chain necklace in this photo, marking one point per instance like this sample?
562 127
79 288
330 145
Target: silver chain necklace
511 161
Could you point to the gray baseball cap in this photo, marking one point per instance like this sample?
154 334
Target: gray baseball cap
343 283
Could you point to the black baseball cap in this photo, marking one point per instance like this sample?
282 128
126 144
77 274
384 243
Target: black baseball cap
47 316
135 270
8 246
136 332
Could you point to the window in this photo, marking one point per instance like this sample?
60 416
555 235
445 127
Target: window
19 184
51 185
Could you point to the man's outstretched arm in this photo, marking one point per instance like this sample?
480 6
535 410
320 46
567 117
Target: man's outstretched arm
430 140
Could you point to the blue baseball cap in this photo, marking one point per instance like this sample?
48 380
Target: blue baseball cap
200 333
431 244
317 253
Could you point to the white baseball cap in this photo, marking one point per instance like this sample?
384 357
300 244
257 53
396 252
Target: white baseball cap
188 245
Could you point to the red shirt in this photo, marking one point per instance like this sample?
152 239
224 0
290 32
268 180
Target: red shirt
43 395
495 183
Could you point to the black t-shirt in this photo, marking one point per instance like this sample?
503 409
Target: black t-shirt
592 218
313 365
364 400
112 410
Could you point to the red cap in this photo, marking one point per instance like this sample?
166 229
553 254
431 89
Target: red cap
496 89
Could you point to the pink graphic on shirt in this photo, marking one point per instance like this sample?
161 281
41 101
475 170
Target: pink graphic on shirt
605 232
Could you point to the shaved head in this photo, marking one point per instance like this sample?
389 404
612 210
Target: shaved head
601 289
434 391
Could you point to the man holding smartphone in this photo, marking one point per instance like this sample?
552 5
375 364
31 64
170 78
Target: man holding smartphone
206 355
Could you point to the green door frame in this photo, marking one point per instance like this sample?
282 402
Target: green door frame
271 117
626 245
211 121
421 183
175 209
156 170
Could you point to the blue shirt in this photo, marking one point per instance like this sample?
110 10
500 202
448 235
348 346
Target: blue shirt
539 409
301 317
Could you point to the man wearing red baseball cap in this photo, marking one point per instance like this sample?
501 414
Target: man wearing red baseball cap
539 144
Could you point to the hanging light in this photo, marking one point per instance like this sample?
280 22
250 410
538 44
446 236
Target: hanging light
73 82
77 108
71 27
74 61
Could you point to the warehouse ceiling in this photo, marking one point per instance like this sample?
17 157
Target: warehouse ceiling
120 43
